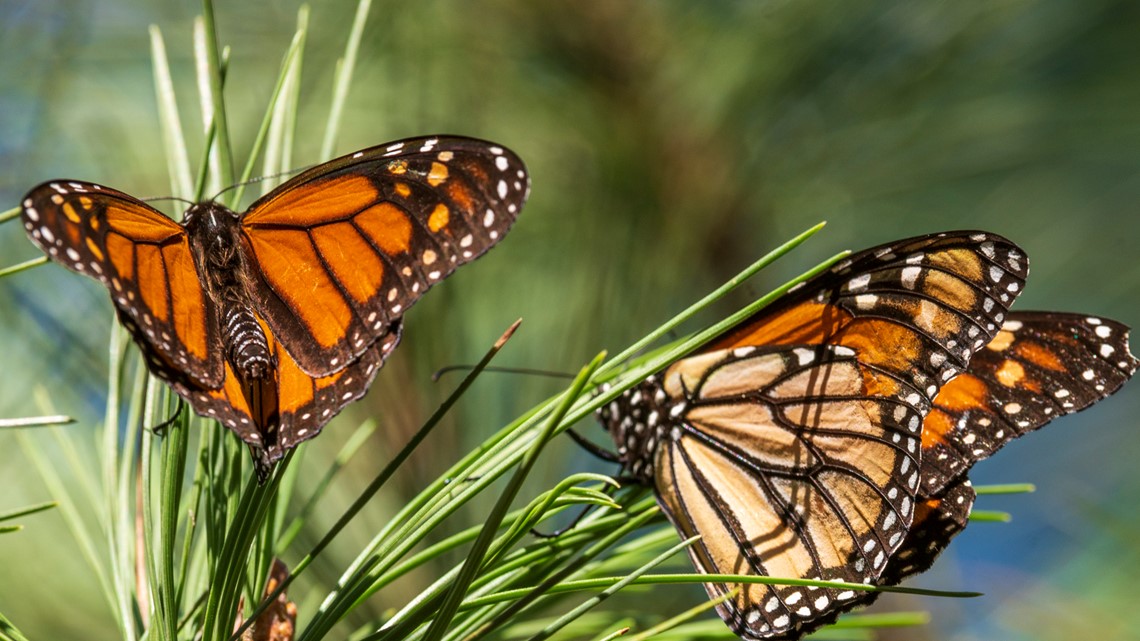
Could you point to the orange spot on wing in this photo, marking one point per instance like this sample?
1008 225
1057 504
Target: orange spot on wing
964 262
439 217
461 196
85 202
387 226
94 249
963 393
935 427
438 174
398 167
72 232
884 345
403 190
69 211
1001 341
1010 374
924 509
1039 355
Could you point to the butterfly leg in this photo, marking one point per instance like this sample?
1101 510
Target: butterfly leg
593 448
160 429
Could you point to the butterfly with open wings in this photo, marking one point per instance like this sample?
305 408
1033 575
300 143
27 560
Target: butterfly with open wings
828 436
272 320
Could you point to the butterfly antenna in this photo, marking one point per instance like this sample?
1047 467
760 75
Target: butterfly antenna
501 370
190 203
593 448
280 174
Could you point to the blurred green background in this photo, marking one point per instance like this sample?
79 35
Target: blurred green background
670 144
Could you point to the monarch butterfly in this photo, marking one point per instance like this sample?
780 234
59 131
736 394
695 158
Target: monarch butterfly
272 320
828 436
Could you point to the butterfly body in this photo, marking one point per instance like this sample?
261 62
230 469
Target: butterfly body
214 235
828 436
274 319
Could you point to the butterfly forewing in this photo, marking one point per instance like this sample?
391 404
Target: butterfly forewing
914 311
344 249
144 260
1042 365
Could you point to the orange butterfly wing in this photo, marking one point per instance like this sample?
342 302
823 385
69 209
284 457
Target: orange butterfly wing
1040 366
144 260
344 249
290 407
914 311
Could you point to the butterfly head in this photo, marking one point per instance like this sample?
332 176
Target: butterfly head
214 232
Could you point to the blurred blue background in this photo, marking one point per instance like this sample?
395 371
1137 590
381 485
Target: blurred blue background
670 144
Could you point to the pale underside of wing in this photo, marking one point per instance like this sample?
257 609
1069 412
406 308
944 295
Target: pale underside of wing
787 468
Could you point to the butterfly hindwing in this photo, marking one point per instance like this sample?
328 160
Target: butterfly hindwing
144 260
937 519
344 249
786 468
294 404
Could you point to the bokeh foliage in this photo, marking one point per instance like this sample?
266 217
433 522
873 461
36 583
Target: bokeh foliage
670 144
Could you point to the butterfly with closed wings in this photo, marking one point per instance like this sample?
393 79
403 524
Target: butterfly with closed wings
271 321
828 436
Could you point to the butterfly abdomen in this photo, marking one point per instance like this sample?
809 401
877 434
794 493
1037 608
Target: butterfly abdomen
247 347
637 421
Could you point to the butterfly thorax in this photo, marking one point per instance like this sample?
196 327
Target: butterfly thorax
215 236
637 421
